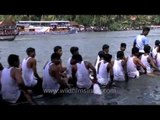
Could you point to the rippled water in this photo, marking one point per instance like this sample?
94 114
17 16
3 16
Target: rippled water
144 90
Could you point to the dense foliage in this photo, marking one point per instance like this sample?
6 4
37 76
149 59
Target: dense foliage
112 22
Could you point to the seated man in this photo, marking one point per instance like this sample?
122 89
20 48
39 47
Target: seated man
154 50
74 50
119 67
105 50
105 71
100 54
53 79
29 72
133 63
12 86
148 61
81 70
58 49
157 61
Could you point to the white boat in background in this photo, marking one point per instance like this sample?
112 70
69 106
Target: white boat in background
45 27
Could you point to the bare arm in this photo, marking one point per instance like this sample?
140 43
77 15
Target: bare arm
63 67
156 59
124 65
17 75
90 66
138 61
45 64
55 72
97 59
126 59
150 60
1 66
98 67
63 70
34 68
151 54
112 63
74 70
95 62
110 70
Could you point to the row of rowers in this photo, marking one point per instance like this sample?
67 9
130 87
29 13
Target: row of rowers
78 73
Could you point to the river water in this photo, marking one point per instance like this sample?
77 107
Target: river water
145 90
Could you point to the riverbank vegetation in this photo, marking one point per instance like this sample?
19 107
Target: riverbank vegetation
109 22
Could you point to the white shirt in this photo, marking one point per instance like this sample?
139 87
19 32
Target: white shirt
97 62
118 70
145 62
9 89
158 60
103 75
140 41
69 67
83 80
49 84
27 74
154 52
132 68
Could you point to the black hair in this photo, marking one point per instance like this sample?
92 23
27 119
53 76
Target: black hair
30 50
101 54
147 49
135 50
73 49
157 42
123 45
55 56
105 46
12 58
56 48
120 54
77 57
107 57
146 29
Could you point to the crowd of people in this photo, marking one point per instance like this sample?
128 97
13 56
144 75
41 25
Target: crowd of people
19 82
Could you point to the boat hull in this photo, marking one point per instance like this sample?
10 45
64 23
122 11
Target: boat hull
7 38
48 33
